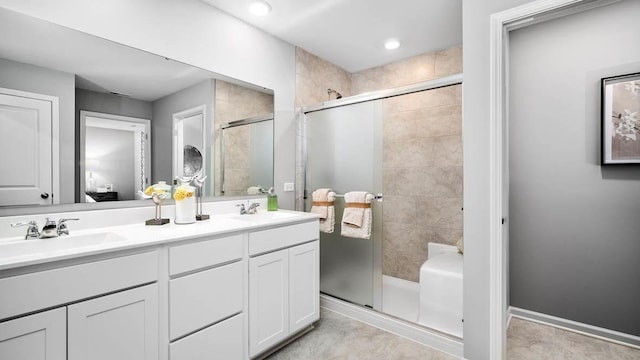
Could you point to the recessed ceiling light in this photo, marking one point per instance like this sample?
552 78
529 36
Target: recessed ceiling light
392 44
259 8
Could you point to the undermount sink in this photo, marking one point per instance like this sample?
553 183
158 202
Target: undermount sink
32 247
264 216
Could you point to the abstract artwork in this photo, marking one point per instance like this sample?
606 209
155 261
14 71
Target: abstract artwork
621 119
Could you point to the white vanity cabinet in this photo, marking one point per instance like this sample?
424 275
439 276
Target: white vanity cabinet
120 325
283 284
206 299
204 293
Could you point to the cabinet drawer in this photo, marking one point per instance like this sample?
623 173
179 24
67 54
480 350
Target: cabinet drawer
201 299
209 252
278 238
224 340
66 284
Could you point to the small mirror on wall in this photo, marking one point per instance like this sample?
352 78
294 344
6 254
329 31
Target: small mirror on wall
621 119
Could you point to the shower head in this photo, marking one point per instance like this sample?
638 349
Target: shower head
330 91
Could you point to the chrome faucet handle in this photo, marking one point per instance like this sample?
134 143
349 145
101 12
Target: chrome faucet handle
62 226
253 208
242 209
32 230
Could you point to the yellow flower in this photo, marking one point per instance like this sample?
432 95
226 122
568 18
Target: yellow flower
148 190
181 194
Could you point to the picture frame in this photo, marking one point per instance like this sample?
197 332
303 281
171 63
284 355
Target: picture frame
620 125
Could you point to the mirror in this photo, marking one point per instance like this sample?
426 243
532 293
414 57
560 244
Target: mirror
116 119
247 156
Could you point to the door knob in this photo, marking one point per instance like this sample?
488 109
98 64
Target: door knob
44 195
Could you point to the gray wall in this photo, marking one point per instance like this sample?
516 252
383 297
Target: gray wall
117 159
19 76
163 110
112 104
574 232
475 137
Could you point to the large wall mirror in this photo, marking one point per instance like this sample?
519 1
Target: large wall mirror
96 121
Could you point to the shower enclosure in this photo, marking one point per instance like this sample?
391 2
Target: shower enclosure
344 153
403 145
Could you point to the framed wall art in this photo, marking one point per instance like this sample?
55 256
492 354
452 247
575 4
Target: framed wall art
621 119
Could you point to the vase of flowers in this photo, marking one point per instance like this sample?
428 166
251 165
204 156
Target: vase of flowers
185 203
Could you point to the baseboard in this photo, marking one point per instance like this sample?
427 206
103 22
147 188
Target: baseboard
580 328
441 342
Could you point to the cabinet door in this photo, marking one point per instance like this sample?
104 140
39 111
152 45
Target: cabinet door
304 282
268 300
120 326
34 337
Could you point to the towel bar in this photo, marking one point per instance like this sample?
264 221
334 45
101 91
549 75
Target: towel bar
378 197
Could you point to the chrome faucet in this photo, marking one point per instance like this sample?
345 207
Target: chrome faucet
50 229
252 209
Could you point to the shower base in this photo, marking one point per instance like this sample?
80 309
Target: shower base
400 298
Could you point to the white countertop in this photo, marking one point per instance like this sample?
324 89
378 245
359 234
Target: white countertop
18 252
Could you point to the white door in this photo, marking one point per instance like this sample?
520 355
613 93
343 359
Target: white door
26 153
42 336
268 300
304 285
123 326
188 129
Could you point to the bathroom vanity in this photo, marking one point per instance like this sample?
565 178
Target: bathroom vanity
233 287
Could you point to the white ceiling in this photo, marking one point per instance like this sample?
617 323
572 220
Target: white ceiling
351 33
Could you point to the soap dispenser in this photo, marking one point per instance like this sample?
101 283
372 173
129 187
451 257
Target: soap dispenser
272 201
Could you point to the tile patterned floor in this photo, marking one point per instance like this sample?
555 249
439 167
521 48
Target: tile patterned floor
339 337
528 341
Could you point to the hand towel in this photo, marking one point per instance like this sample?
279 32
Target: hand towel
323 205
357 219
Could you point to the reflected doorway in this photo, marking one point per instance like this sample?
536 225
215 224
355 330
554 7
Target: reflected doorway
115 156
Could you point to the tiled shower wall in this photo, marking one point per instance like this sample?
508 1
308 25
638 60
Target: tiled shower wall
422 177
315 75
408 71
233 102
422 144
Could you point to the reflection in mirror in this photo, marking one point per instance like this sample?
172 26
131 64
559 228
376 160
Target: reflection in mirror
192 161
189 142
247 156
115 151
67 73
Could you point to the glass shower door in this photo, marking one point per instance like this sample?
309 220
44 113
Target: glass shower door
344 153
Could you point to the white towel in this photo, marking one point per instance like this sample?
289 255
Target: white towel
356 221
326 212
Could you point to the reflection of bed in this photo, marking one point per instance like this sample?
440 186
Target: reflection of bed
102 196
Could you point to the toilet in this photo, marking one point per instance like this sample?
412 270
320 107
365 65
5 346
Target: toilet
441 289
